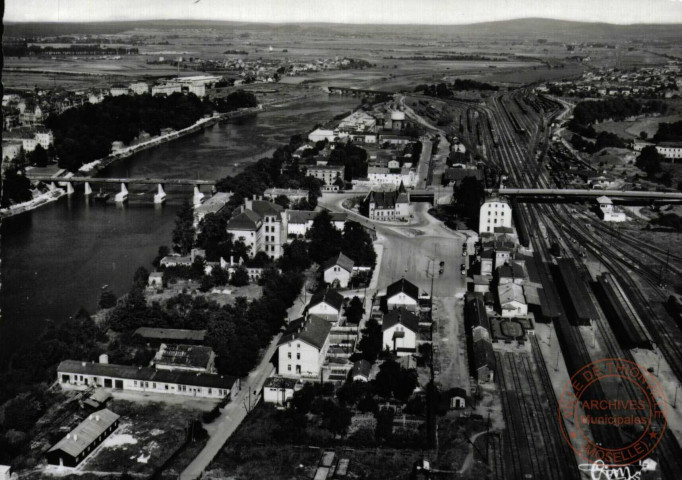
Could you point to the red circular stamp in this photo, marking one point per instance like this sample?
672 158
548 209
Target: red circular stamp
613 410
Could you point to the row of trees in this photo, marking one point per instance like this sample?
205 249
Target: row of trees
588 112
83 134
669 132
446 90
603 140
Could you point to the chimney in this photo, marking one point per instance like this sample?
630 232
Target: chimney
75 437
83 364
68 436
97 418
104 358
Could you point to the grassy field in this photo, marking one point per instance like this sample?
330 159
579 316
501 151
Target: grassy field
631 130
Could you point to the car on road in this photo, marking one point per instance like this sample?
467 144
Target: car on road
464 253
441 271
463 269
442 263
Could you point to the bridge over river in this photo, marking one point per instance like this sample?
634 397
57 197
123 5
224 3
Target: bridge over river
122 196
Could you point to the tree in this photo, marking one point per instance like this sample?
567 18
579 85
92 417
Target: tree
357 244
395 381
183 233
38 156
163 251
643 135
283 201
325 239
371 341
16 188
207 283
468 198
295 257
140 277
240 277
354 310
649 160
107 299
220 276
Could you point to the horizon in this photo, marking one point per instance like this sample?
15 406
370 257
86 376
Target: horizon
349 12
316 22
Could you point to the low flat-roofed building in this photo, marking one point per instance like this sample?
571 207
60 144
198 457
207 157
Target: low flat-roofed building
191 358
78 374
82 440
279 390
293 194
158 336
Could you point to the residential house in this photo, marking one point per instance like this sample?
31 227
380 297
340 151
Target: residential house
400 329
670 150
84 439
303 347
118 90
326 305
338 271
483 361
82 375
402 294
361 371
139 88
155 280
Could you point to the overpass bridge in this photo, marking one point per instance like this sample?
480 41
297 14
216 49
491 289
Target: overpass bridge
544 194
122 196
346 90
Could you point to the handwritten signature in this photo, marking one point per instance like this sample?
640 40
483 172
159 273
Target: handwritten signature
600 471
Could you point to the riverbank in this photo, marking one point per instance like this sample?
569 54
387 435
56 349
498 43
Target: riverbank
97 165
37 201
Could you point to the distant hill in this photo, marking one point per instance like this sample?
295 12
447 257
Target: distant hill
518 28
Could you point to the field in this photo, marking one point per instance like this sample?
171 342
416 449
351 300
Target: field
631 130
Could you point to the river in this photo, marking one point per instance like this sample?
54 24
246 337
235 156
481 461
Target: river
56 259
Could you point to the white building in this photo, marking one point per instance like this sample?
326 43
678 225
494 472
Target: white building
166 89
261 225
512 300
608 212
118 90
387 206
670 150
402 294
300 221
378 176
188 358
139 88
327 173
338 271
279 390
303 348
326 305
494 212
82 375
399 332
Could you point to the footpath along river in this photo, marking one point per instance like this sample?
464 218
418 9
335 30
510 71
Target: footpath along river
57 258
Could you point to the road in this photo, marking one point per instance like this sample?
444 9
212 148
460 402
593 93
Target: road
232 415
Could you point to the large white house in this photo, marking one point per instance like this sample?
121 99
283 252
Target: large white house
303 348
338 270
387 206
494 213
261 225
327 173
402 294
399 332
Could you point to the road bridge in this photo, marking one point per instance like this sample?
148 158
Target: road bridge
544 194
381 93
122 196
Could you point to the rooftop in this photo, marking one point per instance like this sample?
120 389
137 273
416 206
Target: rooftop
340 260
402 317
184 355
403 286
81 437
247 220
329 296
146 374
171 334
313 331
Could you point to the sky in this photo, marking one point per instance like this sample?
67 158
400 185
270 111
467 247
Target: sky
346 11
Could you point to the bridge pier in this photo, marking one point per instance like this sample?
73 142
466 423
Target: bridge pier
69 188
122 196
198 196
88 189
160 195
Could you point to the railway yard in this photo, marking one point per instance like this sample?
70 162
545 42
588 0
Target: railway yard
613 305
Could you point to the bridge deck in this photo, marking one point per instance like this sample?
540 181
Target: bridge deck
555 192
143 181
